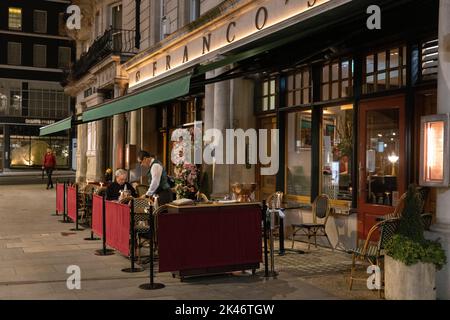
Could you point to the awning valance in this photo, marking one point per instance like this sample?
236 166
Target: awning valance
62 125
144 98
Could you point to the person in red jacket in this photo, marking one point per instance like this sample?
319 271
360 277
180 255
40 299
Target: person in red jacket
49 166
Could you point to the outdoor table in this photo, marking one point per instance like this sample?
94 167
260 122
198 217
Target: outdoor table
213 238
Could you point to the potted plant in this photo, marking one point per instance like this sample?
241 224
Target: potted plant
411 261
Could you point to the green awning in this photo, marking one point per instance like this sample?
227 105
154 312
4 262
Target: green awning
62 125
140 99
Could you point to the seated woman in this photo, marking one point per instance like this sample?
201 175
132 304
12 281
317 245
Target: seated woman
120 184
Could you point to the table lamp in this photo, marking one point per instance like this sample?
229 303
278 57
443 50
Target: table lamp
393 159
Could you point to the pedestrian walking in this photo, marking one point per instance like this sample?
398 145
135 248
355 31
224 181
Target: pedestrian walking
49 166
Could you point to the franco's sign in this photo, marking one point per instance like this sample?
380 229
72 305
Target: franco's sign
209 39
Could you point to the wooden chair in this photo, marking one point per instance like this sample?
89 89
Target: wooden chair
320 210
373 252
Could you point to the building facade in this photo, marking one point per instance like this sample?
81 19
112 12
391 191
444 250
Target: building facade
35 51
346 99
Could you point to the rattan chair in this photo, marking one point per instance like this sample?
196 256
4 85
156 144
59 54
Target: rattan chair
144 234
372 252
320 210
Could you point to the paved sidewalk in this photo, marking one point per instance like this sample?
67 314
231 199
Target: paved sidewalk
36 249
20 177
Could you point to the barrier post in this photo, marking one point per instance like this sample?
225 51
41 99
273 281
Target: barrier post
56 211
76 211
92 237
266 257
152 285
281 250
104 251
132 269
64 220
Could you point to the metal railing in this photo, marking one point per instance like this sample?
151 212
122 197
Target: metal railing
113 41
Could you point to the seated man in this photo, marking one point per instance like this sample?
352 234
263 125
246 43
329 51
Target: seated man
114 189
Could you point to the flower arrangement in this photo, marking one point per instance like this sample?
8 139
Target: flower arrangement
186 180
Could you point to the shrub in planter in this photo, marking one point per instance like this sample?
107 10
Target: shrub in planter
411 260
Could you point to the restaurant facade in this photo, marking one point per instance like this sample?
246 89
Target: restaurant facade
345 96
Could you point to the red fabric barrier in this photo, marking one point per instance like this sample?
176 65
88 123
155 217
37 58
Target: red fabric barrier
118 226
97 215
59 198
72 203
209 237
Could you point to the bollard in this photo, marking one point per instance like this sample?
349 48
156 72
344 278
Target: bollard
152 285
104 251
56 211
132 269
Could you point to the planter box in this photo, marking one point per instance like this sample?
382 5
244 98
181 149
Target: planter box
416 282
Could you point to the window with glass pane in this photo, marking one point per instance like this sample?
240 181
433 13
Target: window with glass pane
40 56
337 80
337 148
382 156
20 151
269 94
14 53
385 70
15 18
299 140
299 87
15 108
40 21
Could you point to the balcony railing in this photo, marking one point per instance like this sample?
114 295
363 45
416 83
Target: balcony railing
113 41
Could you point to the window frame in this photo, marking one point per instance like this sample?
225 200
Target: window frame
35 46
45 20
10 19
18 55
299 71
339 81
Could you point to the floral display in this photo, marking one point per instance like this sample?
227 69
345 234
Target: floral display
186 180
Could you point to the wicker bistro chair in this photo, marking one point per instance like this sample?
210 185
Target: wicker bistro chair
144 233
320 210
373 252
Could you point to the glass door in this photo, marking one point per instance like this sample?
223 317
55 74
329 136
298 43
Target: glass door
382 160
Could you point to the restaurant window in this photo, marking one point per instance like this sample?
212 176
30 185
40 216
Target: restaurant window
385 70
337 80
39 56
64 57
190 111
46 103
15 18
299 87
269 94
299 143
337 149
14 53
40 21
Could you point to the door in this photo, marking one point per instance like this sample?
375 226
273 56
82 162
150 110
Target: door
116 25
382 159
267 184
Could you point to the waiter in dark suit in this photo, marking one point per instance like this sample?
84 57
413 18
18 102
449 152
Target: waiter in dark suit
157 178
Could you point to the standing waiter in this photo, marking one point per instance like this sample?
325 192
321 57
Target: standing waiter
157 178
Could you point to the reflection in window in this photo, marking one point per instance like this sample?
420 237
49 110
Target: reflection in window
385 70
382 156
337 148
299 153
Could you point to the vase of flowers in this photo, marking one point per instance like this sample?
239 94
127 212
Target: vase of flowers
186 180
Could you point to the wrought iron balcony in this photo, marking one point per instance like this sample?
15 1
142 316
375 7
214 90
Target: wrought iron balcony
113 41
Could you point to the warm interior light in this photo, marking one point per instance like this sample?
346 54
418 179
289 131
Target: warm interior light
434 142
393 158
